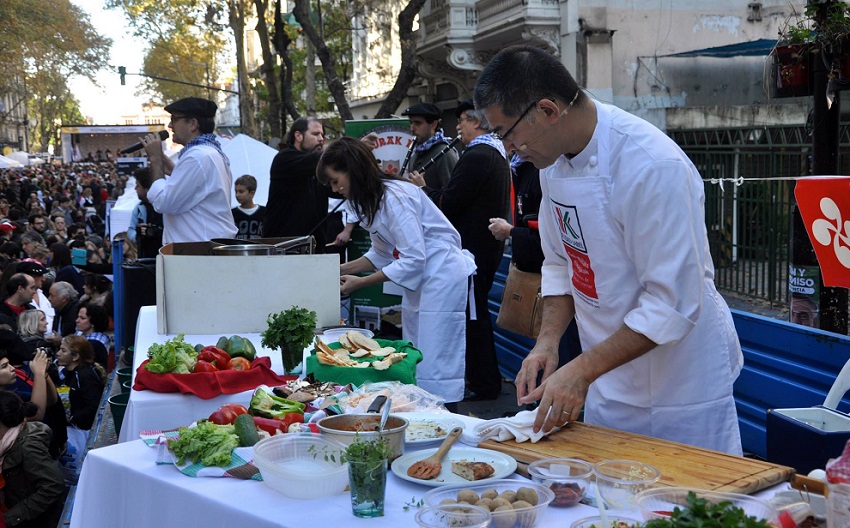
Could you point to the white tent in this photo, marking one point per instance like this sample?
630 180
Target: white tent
20 156
7 163
249 156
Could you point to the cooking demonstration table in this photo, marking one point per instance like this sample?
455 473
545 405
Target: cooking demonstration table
156 410
121 485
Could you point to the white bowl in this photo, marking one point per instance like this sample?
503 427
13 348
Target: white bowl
331 335
618 481
301 466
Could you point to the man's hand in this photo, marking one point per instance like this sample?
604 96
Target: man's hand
561 397
543 358
370 140
349 284
153 145
500 228
417 178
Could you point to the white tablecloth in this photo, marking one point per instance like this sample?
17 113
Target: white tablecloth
155 410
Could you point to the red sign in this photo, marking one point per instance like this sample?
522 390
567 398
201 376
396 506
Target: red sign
824 203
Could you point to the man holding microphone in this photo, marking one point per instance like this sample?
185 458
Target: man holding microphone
195 199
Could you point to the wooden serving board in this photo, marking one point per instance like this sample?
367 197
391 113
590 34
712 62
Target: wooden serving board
679 464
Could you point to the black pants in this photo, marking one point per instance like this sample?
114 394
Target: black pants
482 368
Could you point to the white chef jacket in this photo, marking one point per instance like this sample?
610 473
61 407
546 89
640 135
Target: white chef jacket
623 231
434 271
195 199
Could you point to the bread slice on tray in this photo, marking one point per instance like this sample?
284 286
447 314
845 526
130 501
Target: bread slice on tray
472 470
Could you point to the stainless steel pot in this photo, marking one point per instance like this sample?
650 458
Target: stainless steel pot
248 248
345 428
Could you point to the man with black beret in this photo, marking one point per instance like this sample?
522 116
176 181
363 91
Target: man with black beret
195 198
430 141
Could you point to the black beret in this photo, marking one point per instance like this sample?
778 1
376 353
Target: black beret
193 106
424 110
31 268
463 106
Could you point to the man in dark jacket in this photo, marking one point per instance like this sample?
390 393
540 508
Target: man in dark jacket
19 293
297 202
429 140
478 191
63 297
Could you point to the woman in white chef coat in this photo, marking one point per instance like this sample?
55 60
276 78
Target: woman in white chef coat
414 246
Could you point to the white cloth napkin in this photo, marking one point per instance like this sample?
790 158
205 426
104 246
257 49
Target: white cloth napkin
519 428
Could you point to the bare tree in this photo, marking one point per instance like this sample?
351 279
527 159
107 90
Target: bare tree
408 59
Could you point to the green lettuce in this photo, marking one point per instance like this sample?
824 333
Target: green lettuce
207 443
175 355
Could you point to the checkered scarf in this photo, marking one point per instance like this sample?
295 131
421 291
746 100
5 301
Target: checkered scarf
431 141
205 139
488 139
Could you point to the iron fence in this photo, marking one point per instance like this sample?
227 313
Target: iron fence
747 203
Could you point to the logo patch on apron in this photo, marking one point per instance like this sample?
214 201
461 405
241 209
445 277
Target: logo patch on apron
584 280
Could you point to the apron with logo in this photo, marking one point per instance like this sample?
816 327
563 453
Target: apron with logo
680 391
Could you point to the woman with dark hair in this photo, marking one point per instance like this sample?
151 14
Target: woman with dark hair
414 246
60 261
92 323
34 490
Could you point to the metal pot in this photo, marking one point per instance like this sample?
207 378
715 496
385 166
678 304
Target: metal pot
245 250
345 428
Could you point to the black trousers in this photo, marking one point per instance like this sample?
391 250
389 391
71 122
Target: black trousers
482 368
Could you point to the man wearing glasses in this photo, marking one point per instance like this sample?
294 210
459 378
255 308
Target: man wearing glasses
195 198
622 224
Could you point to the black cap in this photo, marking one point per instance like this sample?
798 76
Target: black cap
31 268
193 106
463 106
424 110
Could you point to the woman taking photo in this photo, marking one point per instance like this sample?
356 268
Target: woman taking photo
34 490
414 246
32 324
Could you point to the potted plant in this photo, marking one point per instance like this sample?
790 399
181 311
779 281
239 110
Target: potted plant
367 474
809 37
290 331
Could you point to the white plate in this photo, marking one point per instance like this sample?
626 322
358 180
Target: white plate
331 335
503 464
425 428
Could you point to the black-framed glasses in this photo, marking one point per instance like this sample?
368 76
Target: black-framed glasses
501 137
174 119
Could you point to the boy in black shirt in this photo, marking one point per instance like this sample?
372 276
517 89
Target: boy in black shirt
248 216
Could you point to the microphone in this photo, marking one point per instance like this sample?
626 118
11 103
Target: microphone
163 135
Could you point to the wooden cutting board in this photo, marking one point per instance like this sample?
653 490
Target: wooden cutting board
679 464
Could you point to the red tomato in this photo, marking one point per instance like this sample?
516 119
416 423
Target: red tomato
223 416
204 366
240 363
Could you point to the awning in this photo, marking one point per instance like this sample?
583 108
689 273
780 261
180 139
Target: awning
755 48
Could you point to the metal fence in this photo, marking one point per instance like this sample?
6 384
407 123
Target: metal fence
748 204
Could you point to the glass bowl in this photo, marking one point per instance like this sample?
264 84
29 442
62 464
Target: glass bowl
568 478
525 517
296 465
659 503
618 481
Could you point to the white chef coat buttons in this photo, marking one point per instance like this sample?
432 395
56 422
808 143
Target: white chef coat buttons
593 161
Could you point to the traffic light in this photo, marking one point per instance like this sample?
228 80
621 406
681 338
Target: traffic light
122 71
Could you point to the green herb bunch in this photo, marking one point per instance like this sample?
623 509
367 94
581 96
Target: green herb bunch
702 514
291 331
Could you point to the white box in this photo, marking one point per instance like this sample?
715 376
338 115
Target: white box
201 293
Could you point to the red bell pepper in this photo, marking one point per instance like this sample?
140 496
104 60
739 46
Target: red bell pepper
215 355
239 363
270 425
291 418
204 366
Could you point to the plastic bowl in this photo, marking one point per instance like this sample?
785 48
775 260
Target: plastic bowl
614 521
659 503
523 517
568 478
618 481
453 515
300 465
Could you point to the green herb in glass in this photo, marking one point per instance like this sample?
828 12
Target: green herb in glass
290 331
367 473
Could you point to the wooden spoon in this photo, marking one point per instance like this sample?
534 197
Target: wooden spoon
430 467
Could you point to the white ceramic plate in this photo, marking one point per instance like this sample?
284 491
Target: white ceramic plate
503 464
425 428
331 335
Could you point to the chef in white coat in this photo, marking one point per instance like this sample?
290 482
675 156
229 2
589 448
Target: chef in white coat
414 246
622 224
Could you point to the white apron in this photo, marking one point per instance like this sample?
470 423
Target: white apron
418 249
625 272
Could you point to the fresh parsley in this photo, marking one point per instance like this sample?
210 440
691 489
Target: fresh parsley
416 504
702 514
